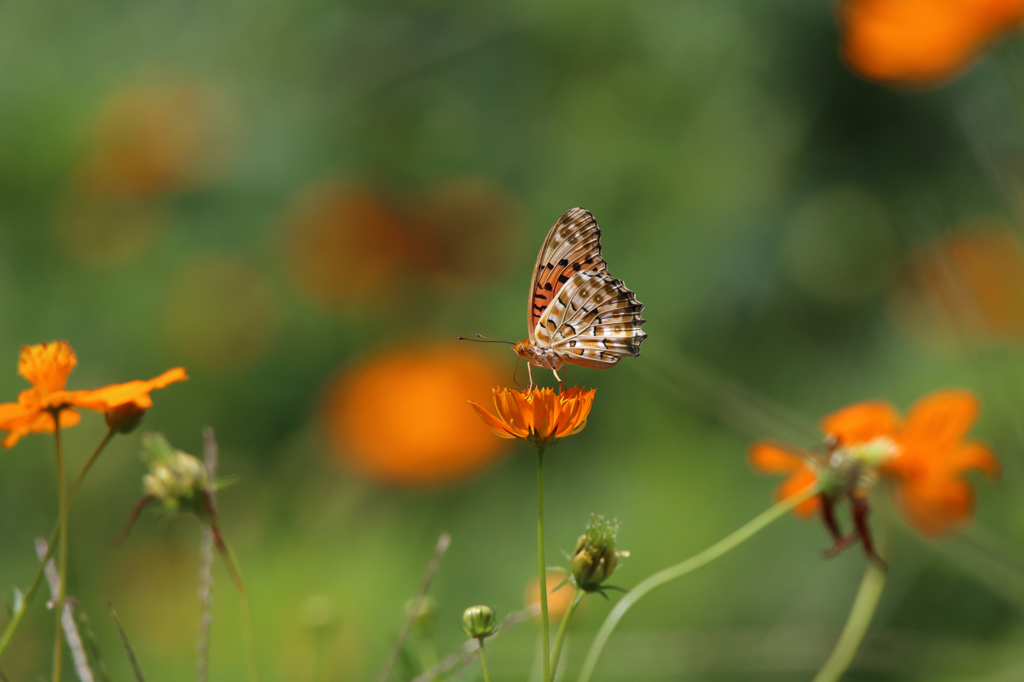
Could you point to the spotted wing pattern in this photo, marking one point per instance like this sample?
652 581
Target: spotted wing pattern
572 246
594 321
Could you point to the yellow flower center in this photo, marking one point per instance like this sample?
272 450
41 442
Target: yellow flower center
873 453
47 365
858 463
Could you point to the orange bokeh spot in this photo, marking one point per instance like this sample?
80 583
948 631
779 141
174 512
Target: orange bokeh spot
466 231
921 41
342 245
964 288
558 601
154 140
401 417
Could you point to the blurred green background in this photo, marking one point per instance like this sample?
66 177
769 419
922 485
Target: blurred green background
285 197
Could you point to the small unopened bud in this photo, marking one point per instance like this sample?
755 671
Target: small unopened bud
175 478
594 559
124 418
424 614
478 622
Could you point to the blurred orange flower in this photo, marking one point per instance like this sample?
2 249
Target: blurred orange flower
159 139
465 231
344 244
968 286
539 416
921 459
47 367
397 417
921 41
559 596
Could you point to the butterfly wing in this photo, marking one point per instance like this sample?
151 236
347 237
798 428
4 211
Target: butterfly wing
573 245
593 322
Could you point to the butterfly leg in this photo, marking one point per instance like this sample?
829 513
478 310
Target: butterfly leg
558 378
529 370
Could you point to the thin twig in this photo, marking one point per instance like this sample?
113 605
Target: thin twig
471 647
127 646
206 564
428 576
78 655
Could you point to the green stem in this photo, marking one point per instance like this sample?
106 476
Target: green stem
857 623
562 629
483 662
713 552
542 580
30 594
88 464
243 598
62 500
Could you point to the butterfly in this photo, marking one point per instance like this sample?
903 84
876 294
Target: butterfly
578 313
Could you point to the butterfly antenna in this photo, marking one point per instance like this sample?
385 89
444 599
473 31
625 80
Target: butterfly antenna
480 338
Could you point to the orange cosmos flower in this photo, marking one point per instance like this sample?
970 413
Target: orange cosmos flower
921 41
425 437
47 367
539 416
921 459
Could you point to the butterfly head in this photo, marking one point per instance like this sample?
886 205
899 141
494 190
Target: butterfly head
523 348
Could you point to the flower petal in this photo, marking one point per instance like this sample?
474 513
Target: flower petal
861 422
137 392
920 41
499 427
802 479
772 459
935 505
940 420
545 415
975 456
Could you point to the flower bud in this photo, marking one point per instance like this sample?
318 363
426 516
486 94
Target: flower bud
478 621
175 478
124 418
594 559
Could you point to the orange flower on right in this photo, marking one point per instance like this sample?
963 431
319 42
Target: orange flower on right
921 41
921 459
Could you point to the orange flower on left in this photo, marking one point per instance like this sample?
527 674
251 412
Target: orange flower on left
539 416
47 367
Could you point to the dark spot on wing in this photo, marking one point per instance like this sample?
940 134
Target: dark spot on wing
563 262
547 285
562 279
576 267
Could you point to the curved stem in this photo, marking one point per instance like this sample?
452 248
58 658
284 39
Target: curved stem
542 581
562 629
857 623
89 462
243 598
62 501
713 552
30 594
483 662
